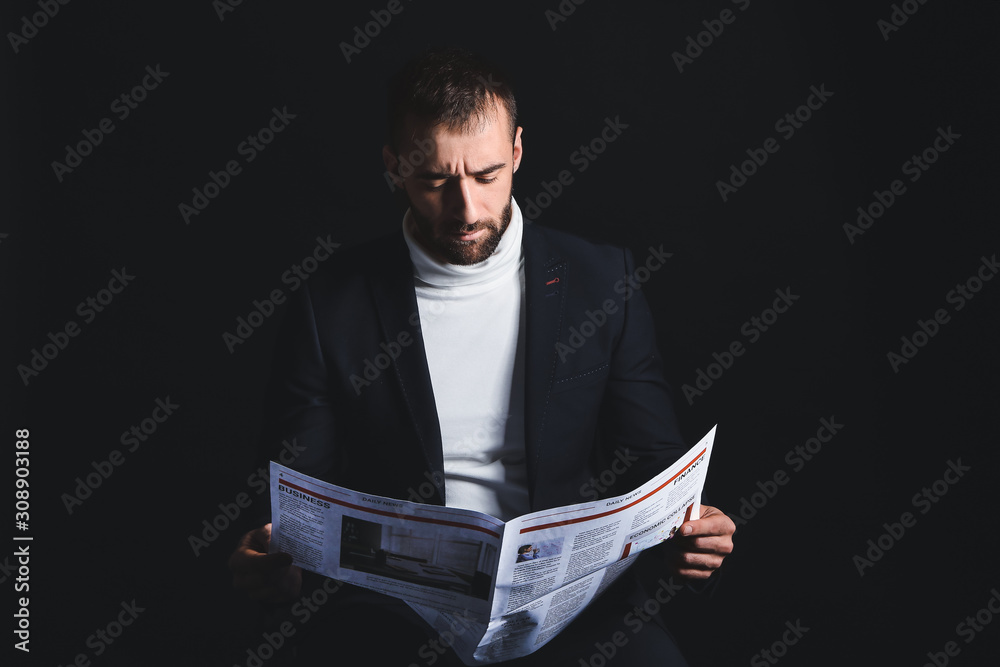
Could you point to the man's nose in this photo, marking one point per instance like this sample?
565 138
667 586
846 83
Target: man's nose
462 201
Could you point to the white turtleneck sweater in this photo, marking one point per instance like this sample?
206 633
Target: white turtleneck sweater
472 320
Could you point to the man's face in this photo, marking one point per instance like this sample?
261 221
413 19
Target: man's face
460 192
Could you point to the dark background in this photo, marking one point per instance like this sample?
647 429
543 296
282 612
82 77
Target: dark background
656 185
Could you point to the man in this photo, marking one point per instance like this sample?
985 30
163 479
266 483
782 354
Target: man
485 404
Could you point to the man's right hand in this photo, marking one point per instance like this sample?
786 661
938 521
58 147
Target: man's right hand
262 576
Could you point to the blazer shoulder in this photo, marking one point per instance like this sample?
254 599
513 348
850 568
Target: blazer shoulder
575 248
361 262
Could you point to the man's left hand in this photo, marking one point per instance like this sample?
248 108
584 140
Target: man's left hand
700 545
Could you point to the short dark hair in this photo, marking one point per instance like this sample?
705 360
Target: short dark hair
449 86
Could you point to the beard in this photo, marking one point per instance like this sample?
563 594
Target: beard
456 251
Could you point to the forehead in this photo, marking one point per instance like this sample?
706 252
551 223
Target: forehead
481 142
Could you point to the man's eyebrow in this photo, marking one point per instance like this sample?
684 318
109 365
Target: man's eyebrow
440 176
490 169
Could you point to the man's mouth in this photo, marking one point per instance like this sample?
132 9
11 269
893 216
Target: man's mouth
463 236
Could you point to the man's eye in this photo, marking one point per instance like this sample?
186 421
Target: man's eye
484 181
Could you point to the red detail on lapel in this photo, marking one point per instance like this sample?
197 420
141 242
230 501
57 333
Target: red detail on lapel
554 280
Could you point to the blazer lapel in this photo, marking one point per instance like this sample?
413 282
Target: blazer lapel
396 302
545 301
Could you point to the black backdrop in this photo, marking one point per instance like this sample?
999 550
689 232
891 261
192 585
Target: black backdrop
887 93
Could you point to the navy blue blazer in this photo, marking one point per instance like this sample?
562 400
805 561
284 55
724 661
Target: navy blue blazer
350 380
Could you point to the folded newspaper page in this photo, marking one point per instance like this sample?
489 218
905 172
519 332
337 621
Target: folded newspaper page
498 590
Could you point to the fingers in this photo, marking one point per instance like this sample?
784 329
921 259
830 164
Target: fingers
702 545
722 546
256 540
262 576
712 522
695 565
251 557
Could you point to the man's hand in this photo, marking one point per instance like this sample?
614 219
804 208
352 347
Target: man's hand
262 576
700 545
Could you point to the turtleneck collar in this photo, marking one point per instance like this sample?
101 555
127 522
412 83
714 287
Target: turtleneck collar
432 273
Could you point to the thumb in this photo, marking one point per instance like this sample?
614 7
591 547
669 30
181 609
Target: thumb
692 526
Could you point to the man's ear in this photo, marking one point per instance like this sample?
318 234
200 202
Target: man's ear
517 147
391 166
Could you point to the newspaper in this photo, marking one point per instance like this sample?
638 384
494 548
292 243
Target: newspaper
498 590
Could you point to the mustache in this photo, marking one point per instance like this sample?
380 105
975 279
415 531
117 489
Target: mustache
470 228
